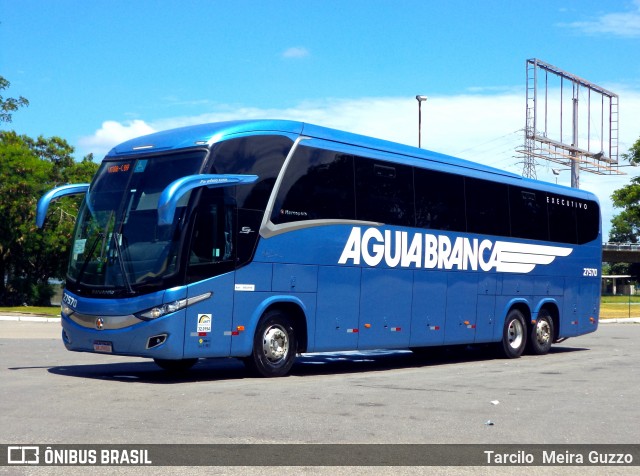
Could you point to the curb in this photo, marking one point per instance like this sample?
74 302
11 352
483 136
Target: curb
25 318
620 320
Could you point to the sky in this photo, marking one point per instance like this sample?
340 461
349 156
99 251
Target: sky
99 72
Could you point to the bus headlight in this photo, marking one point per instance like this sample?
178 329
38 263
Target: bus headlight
163 310
66 310
171 307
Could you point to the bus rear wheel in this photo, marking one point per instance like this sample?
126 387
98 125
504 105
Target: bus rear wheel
514 335
175 366
542 333
274 346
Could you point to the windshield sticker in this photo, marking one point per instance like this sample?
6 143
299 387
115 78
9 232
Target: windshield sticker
140 166
424 250
79 246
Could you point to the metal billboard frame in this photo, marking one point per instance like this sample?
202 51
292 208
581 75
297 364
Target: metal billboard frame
545 141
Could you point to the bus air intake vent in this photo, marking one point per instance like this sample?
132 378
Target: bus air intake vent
155 341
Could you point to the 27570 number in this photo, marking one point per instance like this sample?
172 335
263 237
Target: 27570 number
590 272
70 301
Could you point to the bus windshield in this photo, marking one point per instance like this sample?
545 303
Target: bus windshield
118 247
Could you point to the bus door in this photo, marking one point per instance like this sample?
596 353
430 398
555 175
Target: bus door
385 308
211 261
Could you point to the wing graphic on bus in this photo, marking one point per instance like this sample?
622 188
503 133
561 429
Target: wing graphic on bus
523 257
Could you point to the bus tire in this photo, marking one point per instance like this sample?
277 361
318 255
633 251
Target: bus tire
514 335
274 346
541 335
175 366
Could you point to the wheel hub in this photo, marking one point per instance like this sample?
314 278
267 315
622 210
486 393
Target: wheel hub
275 343
543 332
515 334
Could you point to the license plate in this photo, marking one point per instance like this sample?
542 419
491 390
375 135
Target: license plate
102 346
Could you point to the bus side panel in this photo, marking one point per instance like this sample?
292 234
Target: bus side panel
486 310
486 323
569 317
208 323
517 286
249 307
428 310
338 308
462 298
589 305
385 308
292 278
247 310
548 286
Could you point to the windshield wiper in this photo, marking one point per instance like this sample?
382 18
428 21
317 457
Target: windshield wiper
125 275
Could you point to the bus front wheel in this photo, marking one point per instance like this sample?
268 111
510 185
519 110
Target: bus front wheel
514 335
274 346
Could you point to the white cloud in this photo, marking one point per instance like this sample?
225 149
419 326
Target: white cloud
483 128
296 52
625 24
112 133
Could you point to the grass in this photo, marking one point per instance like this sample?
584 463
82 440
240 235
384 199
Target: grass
48 311
612 307
620 299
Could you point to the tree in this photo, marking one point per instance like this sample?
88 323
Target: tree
30 257
28 168
9 105
633 156
625 227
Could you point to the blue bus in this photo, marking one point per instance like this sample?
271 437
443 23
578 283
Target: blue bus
265 239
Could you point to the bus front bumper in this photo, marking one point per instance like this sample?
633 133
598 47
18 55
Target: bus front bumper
161 338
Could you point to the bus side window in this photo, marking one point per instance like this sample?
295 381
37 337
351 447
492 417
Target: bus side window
212 240
529 217
317 185
588 222
487 207
384 192
562 222
439 200
258 155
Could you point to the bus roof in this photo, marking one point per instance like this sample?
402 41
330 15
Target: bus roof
208 134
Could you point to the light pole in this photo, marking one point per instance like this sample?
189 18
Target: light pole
629 284
420 98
